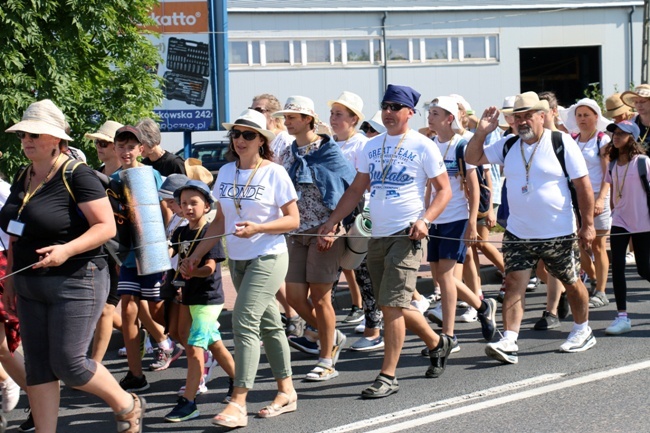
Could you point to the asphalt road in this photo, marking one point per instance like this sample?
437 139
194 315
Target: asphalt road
602 390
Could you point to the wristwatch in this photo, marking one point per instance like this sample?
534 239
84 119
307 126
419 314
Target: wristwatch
426 222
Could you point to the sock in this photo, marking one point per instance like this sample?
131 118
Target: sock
325 361
580 327
166 345
622 314
511 335
387 376
483 307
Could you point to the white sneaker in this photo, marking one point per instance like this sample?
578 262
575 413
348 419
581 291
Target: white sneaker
620 325
468 316
579 341
422 305
503 350
435 315
208 365
122 352
202 388
462 304
10 394
630 259
361 327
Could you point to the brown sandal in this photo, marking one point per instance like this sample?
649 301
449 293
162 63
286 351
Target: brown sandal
131 422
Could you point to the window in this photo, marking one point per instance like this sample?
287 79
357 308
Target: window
358 51
474 48
416 50
297 52
492 43
338 52
454 48
398 49
238 53
318 51
277 52
254 53
436 48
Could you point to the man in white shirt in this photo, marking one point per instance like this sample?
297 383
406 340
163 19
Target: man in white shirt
541 224
396 166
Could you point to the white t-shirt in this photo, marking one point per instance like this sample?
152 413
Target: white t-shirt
590 151
352 147
399 199
269 190
280 142
4 193
545 211
458 207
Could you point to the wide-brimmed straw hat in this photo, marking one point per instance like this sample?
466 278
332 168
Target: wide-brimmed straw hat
568 115
298 105
642 90
352 101
43 117
254 120
614 106
105 132
529 101
195 171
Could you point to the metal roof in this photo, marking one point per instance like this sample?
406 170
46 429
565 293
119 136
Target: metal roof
306 6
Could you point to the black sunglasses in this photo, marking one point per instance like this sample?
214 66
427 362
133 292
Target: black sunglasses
393 106
259 109
365 127
248 135
21 135
102 143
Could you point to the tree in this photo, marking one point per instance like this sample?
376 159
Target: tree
91 57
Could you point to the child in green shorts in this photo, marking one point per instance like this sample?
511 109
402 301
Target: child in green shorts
202 297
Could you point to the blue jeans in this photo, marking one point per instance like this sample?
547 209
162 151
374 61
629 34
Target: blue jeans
58 315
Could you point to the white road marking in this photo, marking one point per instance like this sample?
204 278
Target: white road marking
514 397
446 403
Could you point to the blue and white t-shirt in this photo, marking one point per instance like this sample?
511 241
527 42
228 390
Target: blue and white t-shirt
398 199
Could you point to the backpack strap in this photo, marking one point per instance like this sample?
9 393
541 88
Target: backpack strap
509 143
558 148
643 174
67 174
460 158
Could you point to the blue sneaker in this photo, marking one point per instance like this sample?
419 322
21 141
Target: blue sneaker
304 345
364 344
183 411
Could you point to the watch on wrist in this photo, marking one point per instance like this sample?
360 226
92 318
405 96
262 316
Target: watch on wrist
426 222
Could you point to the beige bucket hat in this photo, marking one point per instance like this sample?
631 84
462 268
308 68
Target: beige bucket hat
298 105
105 132
43 117
350 100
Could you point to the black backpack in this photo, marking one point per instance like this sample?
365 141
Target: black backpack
558 148
485 193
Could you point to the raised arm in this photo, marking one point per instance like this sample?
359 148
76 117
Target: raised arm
488 122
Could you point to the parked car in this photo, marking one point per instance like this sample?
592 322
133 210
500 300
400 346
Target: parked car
211 153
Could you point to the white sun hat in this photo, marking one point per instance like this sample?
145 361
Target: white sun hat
298 105
352 101
568 115
105 132
254 120
43 117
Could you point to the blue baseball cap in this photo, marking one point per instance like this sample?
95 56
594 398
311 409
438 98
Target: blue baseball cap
402 95
626 126
196 185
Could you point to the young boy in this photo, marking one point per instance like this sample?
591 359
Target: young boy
133 288
202 297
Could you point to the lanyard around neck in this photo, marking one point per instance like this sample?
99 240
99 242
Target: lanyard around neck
236 200
189 250
620 184
28 196
529 163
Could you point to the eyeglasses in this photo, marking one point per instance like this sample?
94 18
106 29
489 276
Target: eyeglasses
365 127
102 143
248 135
21 135
392 105
259 109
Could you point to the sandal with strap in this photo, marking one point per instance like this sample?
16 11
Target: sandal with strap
321 372
381 387
131 421
232 421
275 409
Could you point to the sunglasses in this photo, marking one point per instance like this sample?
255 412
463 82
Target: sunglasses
248 135
393 106
259 109
367 128
21 135
102 143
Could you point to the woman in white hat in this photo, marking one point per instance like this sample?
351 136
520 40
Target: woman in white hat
103 140
587 123
63 280
256 204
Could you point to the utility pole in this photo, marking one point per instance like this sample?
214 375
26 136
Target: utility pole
645 47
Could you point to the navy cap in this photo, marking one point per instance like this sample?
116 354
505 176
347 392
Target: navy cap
196 185
626 126
171 184
402 95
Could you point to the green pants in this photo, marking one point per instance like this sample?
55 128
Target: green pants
256 316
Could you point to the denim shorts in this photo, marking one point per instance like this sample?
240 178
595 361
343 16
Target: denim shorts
58 315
